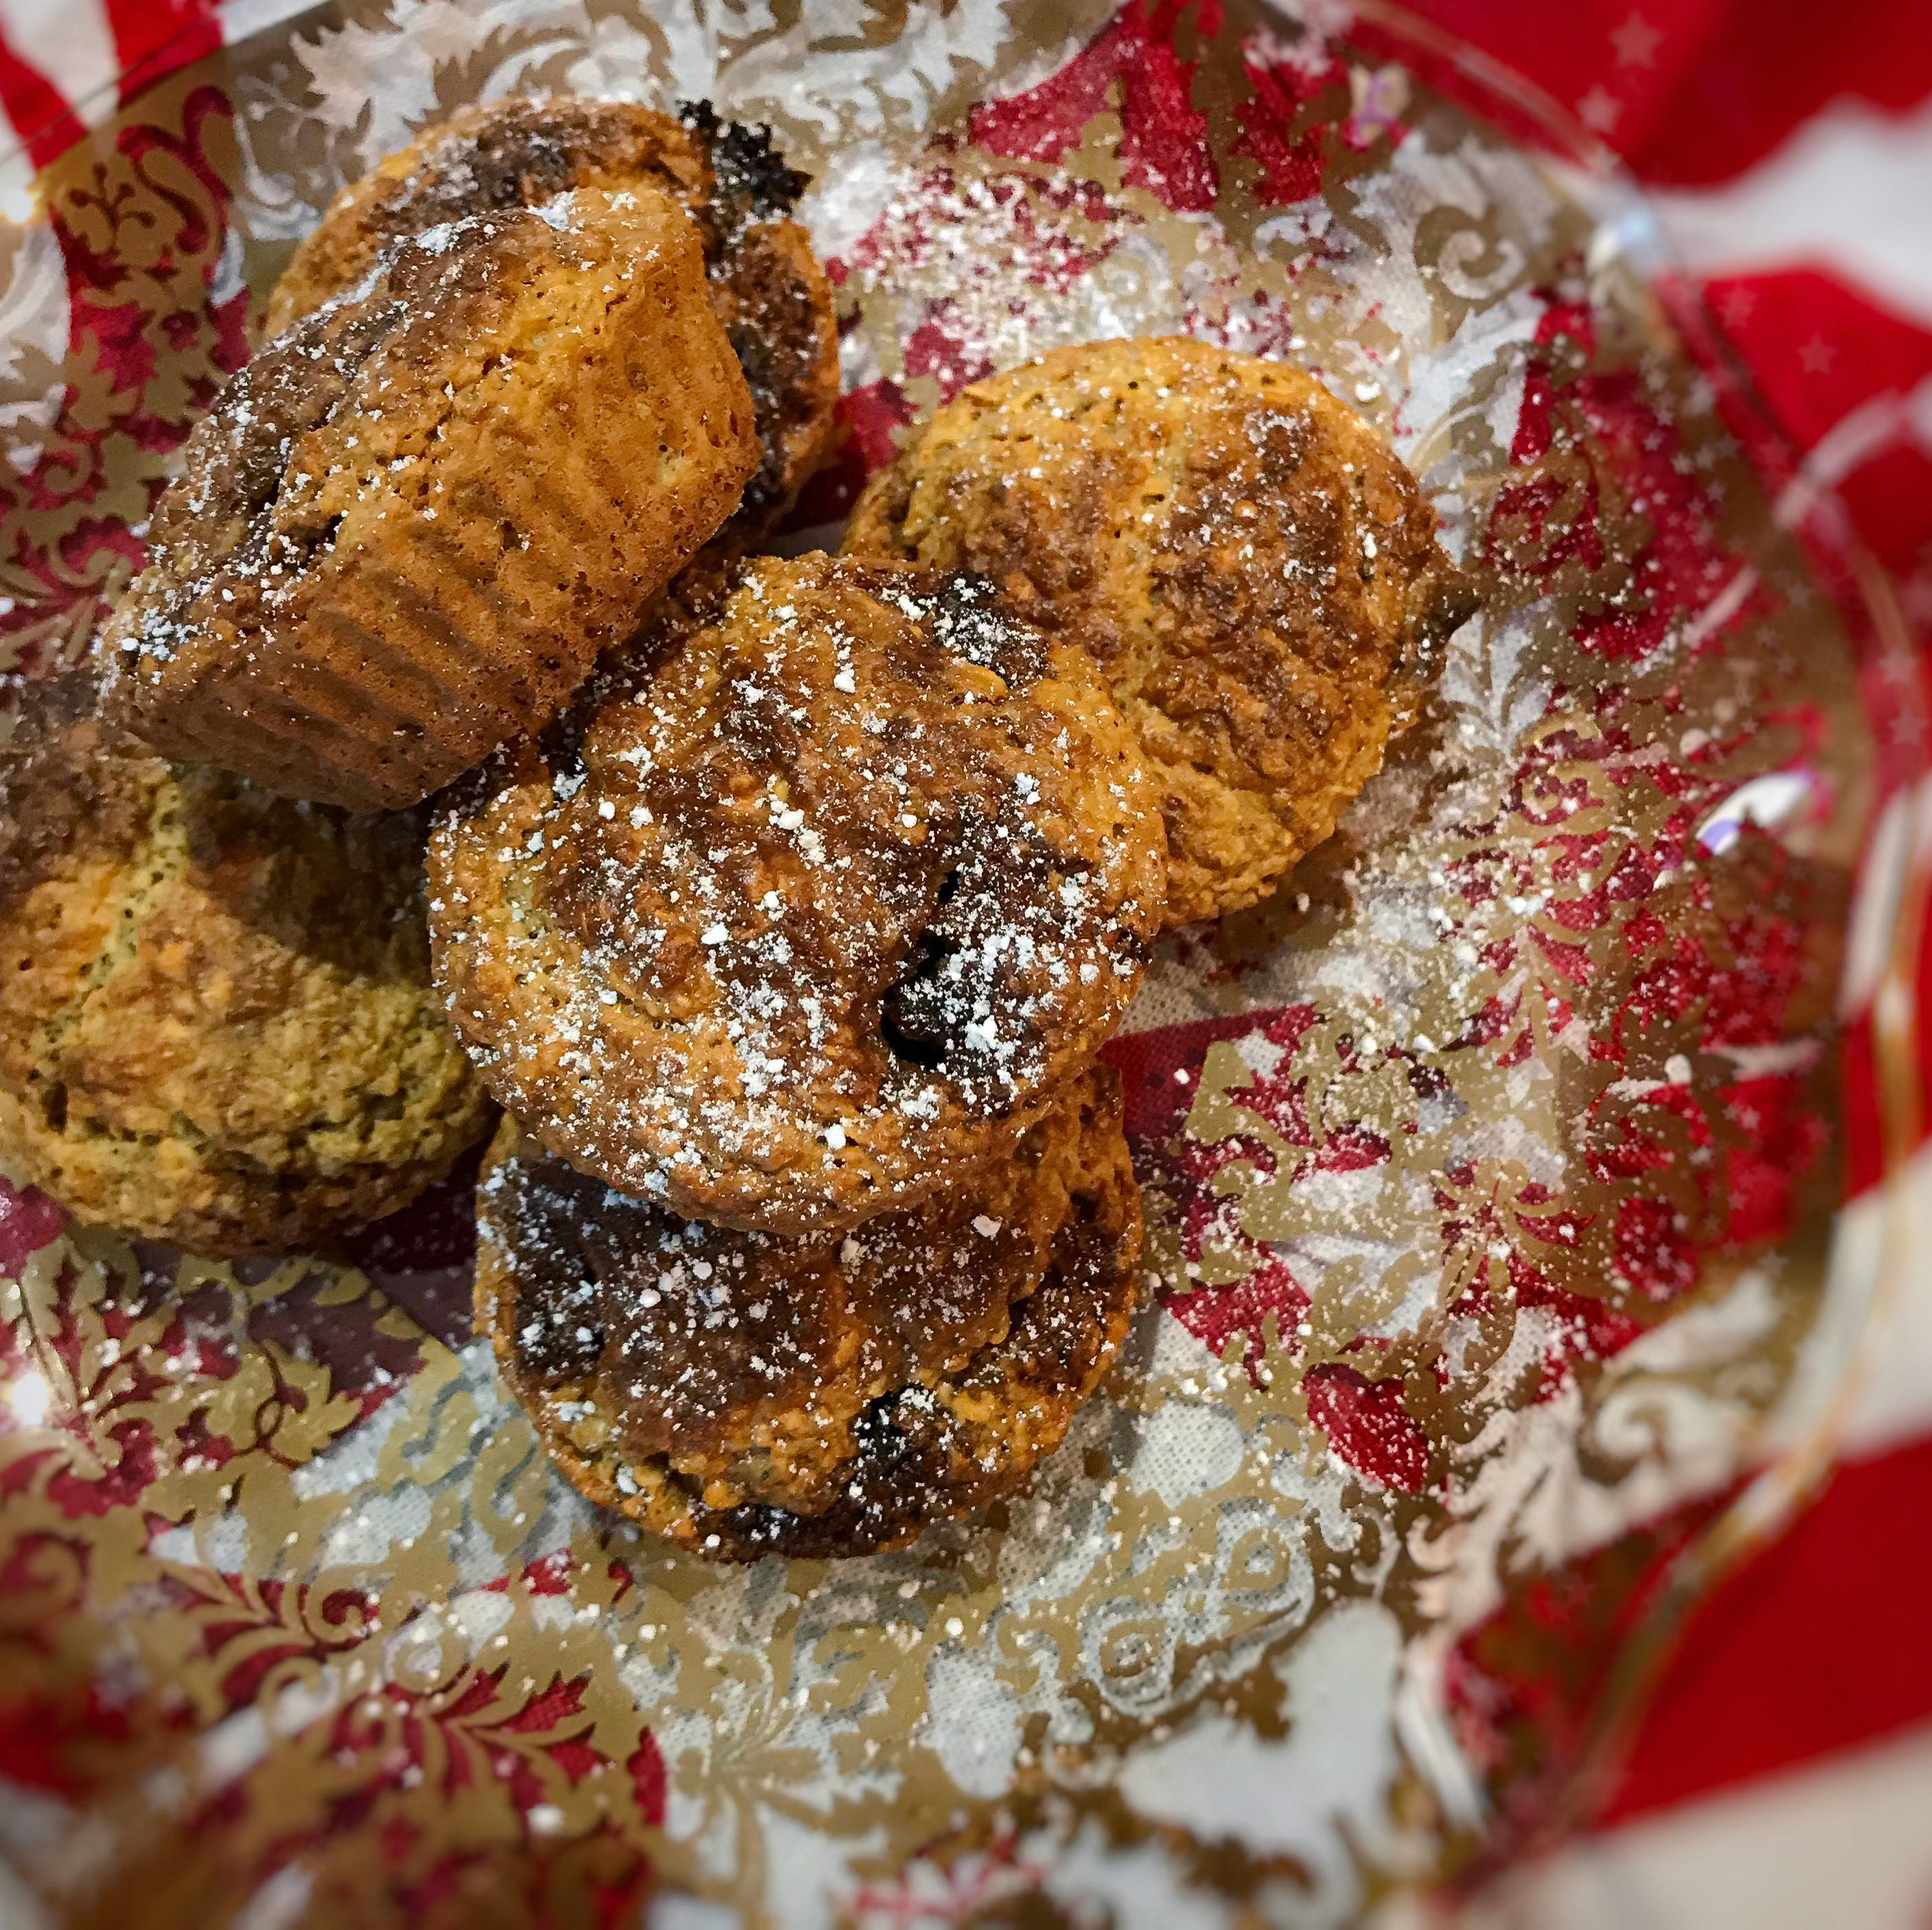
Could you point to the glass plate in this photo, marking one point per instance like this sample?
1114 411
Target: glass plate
1491 1166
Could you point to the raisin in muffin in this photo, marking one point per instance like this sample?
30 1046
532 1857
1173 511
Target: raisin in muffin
407 529
1255 571
217 1026
767 285
803 916
746 1394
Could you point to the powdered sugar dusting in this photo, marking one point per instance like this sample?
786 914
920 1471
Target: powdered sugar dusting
873 873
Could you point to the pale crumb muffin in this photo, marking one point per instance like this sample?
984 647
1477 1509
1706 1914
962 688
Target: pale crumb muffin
1256 572
803 915
217 1026
744 1393
407 529
767 285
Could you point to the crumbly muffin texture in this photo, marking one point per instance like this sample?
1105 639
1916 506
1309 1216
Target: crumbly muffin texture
486 160
803 917
766 285
406 530
1256 572
217 1026
747 1393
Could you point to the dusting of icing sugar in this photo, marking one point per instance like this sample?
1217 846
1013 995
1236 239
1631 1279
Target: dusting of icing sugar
833 908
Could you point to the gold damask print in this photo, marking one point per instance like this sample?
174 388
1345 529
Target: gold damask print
129 278
1489 1165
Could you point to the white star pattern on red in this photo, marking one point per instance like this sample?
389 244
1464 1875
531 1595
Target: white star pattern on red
1635 42
1599 110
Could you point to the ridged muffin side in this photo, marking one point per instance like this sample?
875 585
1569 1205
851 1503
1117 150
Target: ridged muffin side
407 529
769 291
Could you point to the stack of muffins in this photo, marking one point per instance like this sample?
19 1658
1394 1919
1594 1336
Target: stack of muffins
784 905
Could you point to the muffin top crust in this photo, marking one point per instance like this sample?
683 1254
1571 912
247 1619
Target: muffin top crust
805 914
1254 569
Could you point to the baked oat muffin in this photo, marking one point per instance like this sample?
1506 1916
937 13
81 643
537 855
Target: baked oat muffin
407 527
217 1026
1255 571
767 285
803 916
749 1393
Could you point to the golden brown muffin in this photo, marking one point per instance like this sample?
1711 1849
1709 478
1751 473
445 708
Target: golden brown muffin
769 292
408 526
804 917
1252 566
217 1026
747 1394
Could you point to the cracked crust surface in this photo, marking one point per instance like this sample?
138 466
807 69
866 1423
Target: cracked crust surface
804 916
1253 568
407 529
217 1026
745 1394
766 285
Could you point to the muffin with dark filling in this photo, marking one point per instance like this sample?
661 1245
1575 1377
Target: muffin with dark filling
745 1394
804 914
